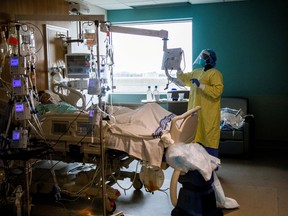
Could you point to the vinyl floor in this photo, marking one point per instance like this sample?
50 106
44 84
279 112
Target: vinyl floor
259 185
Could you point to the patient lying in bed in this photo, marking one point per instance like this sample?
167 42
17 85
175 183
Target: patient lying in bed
50 102
136 132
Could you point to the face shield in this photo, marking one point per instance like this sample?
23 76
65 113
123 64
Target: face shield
202 58
206 57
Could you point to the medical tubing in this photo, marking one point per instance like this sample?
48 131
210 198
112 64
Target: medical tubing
36 120
52 170
9 121
174 80
6 85
173 187
40 135
41 33
85 187
106 113
38 123
134 178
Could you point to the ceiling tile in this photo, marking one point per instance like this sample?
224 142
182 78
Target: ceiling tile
125 4
117 6
170 1
204 1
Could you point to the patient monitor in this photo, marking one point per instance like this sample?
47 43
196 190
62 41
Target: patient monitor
172 59
78 65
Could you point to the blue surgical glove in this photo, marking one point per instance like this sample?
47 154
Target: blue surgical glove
196 81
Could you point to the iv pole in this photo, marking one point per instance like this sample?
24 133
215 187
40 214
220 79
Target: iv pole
100 127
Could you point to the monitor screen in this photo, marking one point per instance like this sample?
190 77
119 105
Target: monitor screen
19 107
16 135
16 83
14 61
78 65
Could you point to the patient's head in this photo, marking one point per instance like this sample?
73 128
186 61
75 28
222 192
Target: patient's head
47 98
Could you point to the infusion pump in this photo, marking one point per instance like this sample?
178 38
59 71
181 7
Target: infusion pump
17 65
19 138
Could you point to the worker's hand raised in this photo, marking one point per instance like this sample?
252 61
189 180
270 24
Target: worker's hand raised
196 81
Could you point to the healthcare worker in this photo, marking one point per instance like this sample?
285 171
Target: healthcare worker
197 196
206 87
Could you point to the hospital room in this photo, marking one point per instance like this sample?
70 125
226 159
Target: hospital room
143 107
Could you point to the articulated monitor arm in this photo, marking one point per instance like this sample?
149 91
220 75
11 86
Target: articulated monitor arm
150 33
137 31
174 79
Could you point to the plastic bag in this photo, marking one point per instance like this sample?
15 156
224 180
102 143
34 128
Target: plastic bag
221 200
231 119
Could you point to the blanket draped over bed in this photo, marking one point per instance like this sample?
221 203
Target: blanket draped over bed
138 132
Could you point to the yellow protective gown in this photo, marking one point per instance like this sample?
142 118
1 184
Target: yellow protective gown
208 97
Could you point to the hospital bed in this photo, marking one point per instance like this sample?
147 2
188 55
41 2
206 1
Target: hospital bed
142 134
139 133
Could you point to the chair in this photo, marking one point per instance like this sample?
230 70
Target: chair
236 142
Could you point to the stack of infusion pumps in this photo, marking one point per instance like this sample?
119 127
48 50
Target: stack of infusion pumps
21 104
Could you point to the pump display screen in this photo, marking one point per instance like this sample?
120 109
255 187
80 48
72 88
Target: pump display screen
91 113
16 83
78 65
16 135
14 62
19 107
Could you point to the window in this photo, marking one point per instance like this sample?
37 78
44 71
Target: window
138 59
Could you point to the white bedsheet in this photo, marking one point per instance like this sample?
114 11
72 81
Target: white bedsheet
133 132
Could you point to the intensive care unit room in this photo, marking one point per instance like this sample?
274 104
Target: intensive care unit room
143 107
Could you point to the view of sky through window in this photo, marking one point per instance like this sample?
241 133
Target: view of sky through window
138 59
